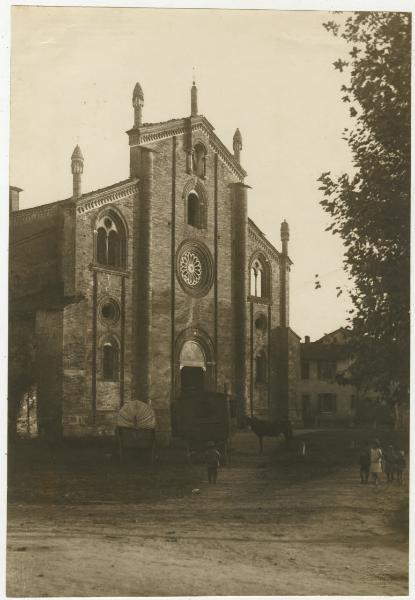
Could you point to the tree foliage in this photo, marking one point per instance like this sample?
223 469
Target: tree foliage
370 207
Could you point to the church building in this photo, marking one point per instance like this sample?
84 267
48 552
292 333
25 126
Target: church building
154 286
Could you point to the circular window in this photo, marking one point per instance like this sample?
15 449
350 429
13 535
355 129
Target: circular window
110 311
194 268
190 268
261 322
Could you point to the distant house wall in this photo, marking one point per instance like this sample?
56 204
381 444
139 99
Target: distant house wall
322 398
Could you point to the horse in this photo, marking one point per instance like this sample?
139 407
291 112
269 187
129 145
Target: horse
270 429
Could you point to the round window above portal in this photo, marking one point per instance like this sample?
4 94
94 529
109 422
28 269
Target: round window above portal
109 310
194 268
261 322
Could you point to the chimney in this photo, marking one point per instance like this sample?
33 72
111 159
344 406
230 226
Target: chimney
14 198
307 339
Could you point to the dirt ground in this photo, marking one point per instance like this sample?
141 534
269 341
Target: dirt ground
81 525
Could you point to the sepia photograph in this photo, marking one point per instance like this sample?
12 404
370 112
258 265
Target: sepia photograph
208 347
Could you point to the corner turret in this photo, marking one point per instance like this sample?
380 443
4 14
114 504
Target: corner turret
193 100
77 168
285 237
237 145
138 103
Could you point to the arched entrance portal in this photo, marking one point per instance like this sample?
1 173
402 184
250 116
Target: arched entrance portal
192 368
194 363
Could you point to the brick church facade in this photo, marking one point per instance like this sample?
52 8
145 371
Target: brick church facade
154 286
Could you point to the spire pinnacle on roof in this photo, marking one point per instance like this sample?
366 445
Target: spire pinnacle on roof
193 97
237 144
138 103
77 153
285 236
138 92
77 168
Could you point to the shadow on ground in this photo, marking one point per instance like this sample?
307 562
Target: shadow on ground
74 472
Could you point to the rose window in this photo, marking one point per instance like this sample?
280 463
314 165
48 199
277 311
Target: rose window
194 268
190 268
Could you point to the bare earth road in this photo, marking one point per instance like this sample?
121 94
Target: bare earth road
271 526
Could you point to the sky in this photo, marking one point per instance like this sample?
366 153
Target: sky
269 73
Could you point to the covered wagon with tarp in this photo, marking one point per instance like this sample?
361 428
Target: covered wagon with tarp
206 416
136 428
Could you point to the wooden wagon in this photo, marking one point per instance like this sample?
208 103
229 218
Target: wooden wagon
134 440
204 417
136 429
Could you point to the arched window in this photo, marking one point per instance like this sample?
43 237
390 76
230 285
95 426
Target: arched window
110 370
110 248
196 210
199 160
261 367
193 209
259 280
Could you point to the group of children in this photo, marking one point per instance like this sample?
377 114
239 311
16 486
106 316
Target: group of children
373 461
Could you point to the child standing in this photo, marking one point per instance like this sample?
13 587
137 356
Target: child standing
390 463
212 462
376 458
400 465
364 462
301 450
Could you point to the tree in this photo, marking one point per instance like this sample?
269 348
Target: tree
370 207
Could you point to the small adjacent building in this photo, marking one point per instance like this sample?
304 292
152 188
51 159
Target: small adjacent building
324 400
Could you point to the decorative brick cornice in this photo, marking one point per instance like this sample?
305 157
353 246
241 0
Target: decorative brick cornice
154 132
84 204
33 214
101 198
258 237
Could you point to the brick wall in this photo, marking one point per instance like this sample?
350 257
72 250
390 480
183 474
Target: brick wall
286 352
264 398
49 368
33 251
156 314
190 313
90 403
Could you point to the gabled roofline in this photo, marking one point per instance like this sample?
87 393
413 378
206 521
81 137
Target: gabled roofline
256 230
111 192
320 340
152 132
106 195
